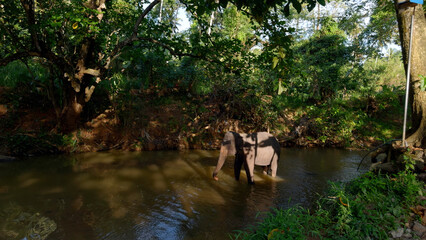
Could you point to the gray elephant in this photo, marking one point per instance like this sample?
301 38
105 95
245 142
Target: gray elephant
259 148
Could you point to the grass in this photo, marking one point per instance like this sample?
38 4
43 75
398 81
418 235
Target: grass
368 207
18 72
13 73
356 119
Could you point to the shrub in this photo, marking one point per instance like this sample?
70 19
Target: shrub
368 207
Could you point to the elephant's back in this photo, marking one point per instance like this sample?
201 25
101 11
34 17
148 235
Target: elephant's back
268 139
268 149
264 135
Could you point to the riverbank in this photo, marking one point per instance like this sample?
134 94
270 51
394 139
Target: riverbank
369 207
149 120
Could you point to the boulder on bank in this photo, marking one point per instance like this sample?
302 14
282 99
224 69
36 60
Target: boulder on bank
399 160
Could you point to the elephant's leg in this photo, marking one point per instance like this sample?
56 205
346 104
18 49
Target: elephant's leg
274 166
265 169
249 167
237 166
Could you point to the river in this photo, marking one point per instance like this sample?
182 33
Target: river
155 195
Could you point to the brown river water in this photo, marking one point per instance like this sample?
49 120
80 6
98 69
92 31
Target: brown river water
155 195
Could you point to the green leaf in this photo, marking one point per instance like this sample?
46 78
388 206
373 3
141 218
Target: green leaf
275 61
311 5
422 82
322 2
287 9
297 6
280 87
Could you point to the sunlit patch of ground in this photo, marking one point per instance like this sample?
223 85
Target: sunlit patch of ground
3 110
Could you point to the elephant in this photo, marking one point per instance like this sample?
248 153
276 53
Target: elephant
260 148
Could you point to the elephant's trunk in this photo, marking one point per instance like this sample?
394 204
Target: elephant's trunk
221 161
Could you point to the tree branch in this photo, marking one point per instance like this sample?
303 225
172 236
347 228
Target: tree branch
14 37
142 16
170 49
18 56
132 38
28 6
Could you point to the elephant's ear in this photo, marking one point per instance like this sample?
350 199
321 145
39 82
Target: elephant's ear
229 143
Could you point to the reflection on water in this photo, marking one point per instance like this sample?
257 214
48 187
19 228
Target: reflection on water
157 195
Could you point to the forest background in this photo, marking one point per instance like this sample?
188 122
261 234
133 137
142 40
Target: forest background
327 75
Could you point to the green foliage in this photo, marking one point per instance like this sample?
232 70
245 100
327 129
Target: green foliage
241 65
422 82
367 207
382 28
335 122
380 71
409 162
256 8
24 144
71 142
370 36
321 66
346 120
244 100
27 84
291 223
13 73
236 25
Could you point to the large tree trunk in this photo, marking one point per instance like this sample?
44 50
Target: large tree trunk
417 133
73 104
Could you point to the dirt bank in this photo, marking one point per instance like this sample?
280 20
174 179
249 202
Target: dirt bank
151 123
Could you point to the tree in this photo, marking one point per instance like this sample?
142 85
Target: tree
417 133
81 39
320 65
